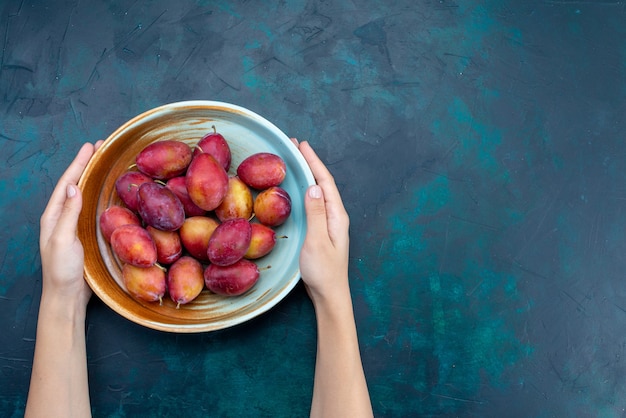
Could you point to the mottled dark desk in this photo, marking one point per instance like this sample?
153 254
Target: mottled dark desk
479 148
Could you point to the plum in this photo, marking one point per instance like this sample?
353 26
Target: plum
229 242
214 144
185 280
115 216
133 245
262 170
160 207
237 203
207 182
232 280
127 186
195 235
179 187
168 245
262 241
272 206
164 159
145 283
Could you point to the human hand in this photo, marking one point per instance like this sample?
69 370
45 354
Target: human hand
58 384
324 254
62 257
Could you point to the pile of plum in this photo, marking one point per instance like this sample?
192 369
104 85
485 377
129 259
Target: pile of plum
186 224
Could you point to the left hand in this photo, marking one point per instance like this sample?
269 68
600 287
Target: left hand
62 257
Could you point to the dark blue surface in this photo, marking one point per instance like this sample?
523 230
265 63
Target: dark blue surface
480 152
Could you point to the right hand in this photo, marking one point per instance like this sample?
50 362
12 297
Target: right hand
324 254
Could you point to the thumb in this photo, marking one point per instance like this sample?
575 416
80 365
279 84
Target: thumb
315 211
68 220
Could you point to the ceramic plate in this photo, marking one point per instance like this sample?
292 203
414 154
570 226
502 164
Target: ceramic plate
246 133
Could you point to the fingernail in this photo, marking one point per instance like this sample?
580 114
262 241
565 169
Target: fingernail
315 192
70 191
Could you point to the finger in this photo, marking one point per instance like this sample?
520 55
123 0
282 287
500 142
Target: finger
68 219
337 219
323 177
97 145
57 199
72 173
295 141
316 217
76 168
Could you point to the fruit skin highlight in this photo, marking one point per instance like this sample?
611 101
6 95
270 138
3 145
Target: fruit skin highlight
232 280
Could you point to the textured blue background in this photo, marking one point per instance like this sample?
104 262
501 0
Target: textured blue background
480 152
